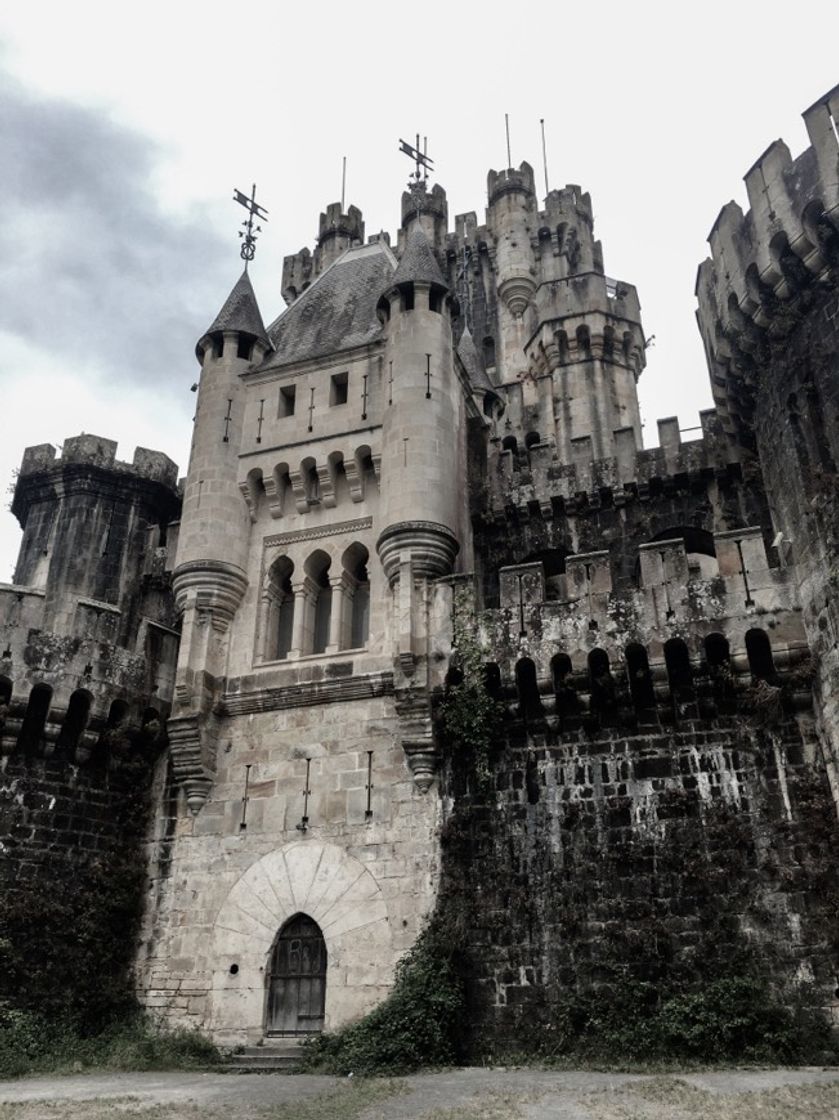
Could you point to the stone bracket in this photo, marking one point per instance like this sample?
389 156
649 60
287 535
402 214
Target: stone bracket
416 733
192 744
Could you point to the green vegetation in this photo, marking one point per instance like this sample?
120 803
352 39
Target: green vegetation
31 1043
419 1024
731 1018
468 715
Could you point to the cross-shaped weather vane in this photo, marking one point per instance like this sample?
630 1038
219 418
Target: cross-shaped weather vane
249 232
422 161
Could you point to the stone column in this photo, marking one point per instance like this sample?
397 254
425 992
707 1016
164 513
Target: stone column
340 602
301 634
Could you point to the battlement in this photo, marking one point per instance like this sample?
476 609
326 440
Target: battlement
335 223
533 478
762 260
568 202
511 180
95 451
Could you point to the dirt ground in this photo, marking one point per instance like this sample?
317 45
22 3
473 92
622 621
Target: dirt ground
467 1094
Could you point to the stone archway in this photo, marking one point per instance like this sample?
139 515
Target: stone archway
340 895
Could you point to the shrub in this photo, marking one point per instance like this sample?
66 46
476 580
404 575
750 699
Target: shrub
31 1043
419 1024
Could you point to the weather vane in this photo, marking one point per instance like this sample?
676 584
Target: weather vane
249 231
422 165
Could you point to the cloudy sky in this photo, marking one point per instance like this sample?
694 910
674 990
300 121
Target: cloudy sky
124 129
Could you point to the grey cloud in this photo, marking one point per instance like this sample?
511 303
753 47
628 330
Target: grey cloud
91 269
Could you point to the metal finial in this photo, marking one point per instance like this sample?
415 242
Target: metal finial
423 163
249 231
544 155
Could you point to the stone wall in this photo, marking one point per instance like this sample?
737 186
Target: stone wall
223 891
71 879
668 855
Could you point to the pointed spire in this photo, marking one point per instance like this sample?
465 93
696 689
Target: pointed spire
418 263
240 312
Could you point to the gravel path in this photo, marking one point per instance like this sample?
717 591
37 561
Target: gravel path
539 1094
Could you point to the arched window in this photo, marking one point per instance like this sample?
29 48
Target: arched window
530 706
583 342
679 671
35 718
311 484
75 721
759 653
357 589
366 469
489 352
640 678
317 569
297 979
531 439
566 698
717 652
492 680
279 610
600 681
509 443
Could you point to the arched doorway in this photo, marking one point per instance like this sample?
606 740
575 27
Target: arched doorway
297 979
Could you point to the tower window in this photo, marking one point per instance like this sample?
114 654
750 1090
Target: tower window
338 388
244 348
288 393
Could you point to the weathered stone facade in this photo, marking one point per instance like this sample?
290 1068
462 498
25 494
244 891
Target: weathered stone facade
451 426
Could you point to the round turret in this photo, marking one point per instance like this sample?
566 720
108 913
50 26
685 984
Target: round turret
212 548
421 425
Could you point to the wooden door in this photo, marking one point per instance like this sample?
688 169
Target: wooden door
297 979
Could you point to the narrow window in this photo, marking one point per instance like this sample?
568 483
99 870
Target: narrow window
679 671
640 678
489 352
338 388
530 706
75 721
287 398
357 582
600 681
435 300
244 348
759 653
320 619
716 651
35 719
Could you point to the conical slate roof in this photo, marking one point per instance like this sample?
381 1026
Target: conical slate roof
468 354
240 311
418 263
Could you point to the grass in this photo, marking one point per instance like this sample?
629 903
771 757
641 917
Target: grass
347 1101
670 1098
489 1106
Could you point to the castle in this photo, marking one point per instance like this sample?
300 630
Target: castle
442 434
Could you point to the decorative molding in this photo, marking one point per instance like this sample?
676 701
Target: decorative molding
307 694
432 548
319 531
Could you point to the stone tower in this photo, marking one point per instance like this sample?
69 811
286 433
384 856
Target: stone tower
768 307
